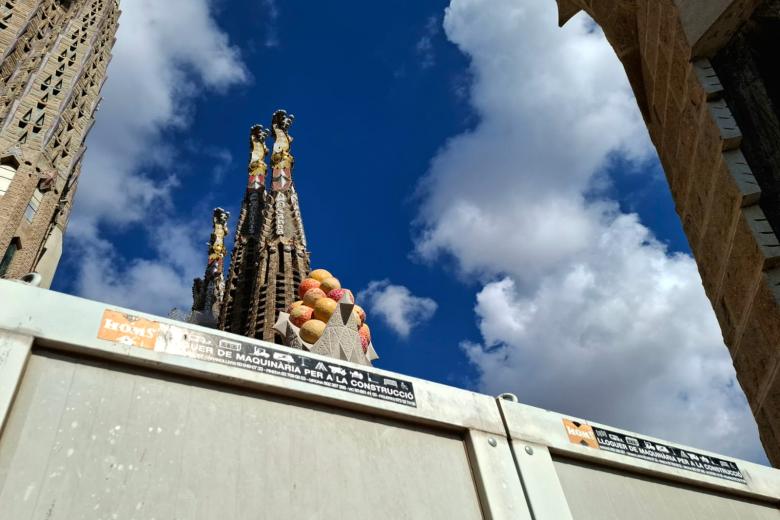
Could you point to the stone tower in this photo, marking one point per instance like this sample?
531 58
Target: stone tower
269 257
54 59
208 292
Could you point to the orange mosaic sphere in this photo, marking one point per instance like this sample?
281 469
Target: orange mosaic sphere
337 294
361 314
301 315
328 284
293 305
320 274
365 337
324 309
312 295
308 283
312 331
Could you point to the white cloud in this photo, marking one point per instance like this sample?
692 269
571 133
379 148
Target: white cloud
581 310
271 30
156 284
223 162
155 75
424 47
624 336
396 306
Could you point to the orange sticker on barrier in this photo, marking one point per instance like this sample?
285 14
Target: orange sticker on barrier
580 433
128 329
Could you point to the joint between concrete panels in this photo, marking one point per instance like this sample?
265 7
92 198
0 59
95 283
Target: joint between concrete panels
14 353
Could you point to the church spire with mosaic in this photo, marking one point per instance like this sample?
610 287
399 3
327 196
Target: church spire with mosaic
271 293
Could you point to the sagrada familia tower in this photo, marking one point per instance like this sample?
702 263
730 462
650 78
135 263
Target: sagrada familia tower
269 258
54 55
269 266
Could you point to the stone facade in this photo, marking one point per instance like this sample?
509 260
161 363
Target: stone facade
269 257
54 59
725 184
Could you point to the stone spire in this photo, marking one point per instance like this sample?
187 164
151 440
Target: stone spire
269 257
208 292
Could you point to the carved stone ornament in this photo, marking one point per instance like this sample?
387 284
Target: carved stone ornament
281 159
257 152
46 180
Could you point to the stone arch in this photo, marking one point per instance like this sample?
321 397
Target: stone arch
618 20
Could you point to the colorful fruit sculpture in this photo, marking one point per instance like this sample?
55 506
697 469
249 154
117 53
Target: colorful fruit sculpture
321 293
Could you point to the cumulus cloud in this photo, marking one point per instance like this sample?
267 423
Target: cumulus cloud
625 336
397 306
153 284
153 79
581 310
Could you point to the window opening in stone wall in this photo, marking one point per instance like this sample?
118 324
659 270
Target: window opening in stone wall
6 13
8 257
7 174
25 119
280 254
39 124
33 205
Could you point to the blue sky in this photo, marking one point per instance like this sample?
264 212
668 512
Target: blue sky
480 175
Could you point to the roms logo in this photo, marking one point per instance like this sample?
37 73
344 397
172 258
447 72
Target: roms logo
128 329
580 433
